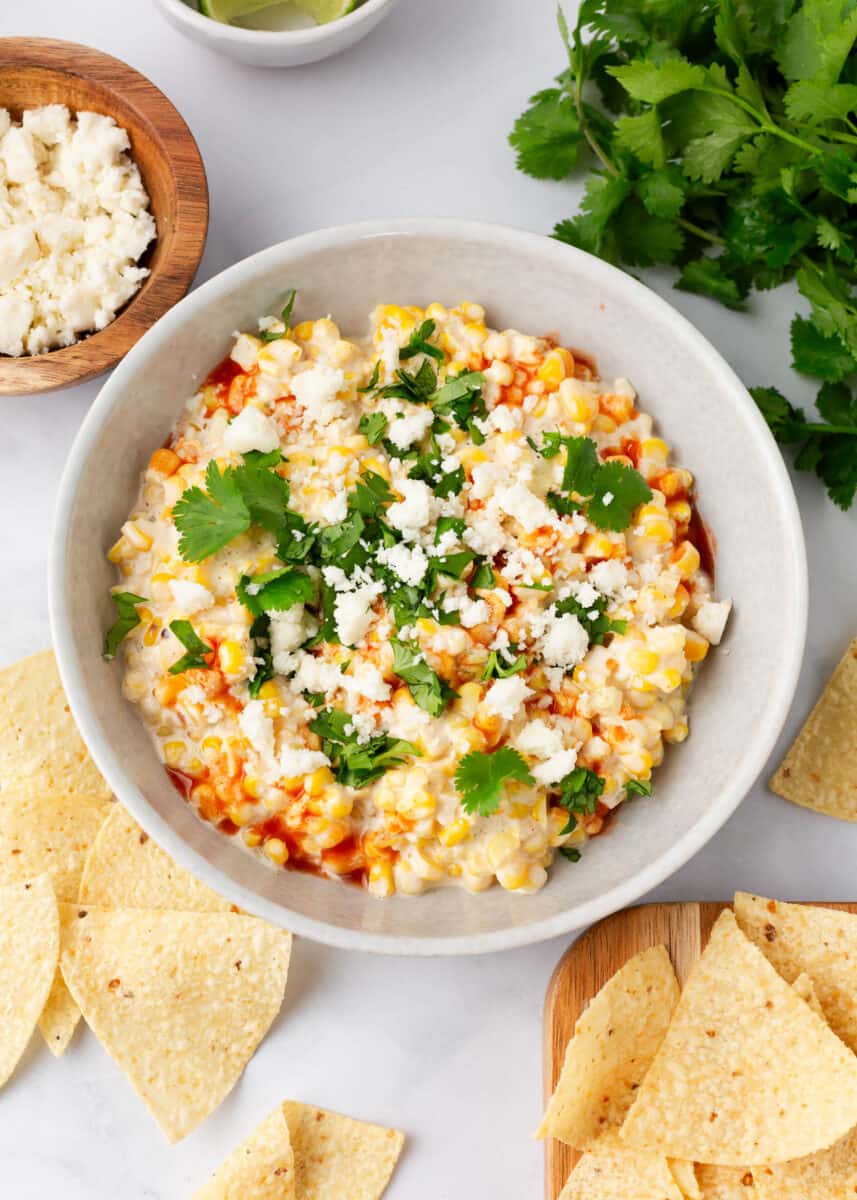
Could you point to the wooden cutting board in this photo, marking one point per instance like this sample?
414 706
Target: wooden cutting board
591 961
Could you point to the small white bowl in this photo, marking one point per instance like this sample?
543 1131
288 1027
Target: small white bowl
264 48
739 703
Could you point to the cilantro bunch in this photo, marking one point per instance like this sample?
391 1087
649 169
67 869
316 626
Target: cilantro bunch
723 137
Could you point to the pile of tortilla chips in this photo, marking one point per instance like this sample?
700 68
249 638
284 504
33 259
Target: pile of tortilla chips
177 986
741 1087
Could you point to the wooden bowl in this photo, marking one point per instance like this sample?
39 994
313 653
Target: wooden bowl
36 71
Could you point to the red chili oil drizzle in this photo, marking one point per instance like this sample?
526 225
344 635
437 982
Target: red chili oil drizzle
223 374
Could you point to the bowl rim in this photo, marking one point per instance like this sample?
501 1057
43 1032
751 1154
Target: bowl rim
311 36
96 352
578 916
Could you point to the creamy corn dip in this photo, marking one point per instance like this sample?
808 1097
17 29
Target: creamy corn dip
412 609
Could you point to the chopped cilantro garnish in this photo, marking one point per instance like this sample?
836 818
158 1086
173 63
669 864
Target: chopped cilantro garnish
418 343
570 852
260 634
579 793
592 617
275 591
268 335
208 521
296 538
373 426
611 491
483 577
265 493
446 524
426 686
454 564
196 648
372 382
314 699
460 399
499 667
449 484
371 495
638 787
355 764
480 778
418 387
127 618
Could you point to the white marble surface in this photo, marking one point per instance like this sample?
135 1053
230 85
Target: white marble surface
412 121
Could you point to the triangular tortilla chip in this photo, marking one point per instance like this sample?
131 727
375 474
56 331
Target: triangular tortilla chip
804 987
820 770
684 1173
126 869
48 832
29 950
179 1000
726 1183
830 1175
613 1045
337 1157
747 1073
40 748
822 942
262 1168
60 1015
612 1170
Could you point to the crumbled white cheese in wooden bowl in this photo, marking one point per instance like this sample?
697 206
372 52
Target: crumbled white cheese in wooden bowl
74 222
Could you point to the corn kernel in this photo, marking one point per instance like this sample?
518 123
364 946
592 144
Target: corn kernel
642 661
597 545
269 691
337 804
151 634
658 530
381 878
320 779
276 850
251 838
695 646
680 511
670 680
604 424
251 786
552 371
164 462
500 847
514 877
173 753
436 312
137 536
118 551
456 832
471 455
241 814
579 405
655 449
682 599
686 558
231 657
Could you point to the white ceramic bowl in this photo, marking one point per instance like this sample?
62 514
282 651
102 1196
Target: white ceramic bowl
263 48
534 284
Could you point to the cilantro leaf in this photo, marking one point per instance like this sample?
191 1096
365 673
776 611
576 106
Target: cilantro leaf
372 381
275 591
662 192
708 277
638 787
418 343
618 492
579 793
593 618
373 426
429 691
653 82
127 618
499 667
265 494
418 386
268 335
260 635
357 764
481 776
208 521
641 136
547 137
196 648
814 353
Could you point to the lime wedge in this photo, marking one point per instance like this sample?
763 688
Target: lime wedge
321 11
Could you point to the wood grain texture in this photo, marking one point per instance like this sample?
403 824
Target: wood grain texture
35 71
590 962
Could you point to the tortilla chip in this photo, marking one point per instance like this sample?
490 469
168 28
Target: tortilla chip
820 769
60 1015
614 1043
40 748
29 950
126 869
262 1168
612 1170
830 1175
747 1073
804 987
684 1173
337 1157
822 942
179 1000
49 832
726 1183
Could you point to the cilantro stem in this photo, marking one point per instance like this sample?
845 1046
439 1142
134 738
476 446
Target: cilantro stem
699 232
766 125
594 144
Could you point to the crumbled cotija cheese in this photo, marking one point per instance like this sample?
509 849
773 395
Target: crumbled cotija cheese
74 221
